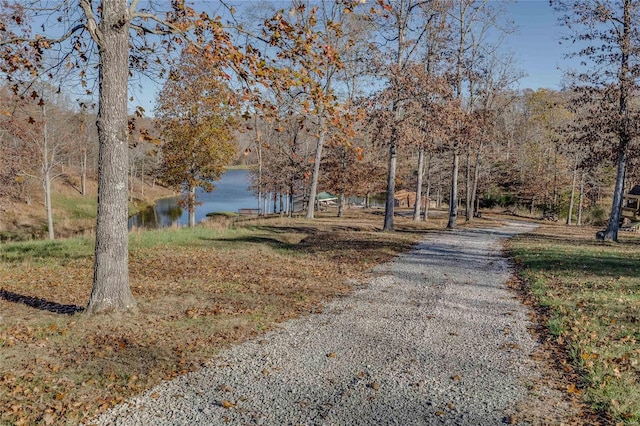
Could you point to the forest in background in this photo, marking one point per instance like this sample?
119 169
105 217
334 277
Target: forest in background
433 88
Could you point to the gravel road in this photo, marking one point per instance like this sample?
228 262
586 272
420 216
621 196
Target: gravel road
435 338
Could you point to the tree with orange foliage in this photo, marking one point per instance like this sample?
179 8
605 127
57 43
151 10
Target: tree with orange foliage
195 115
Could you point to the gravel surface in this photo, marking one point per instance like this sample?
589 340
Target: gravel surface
435 338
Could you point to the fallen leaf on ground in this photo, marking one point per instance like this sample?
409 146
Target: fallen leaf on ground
227 404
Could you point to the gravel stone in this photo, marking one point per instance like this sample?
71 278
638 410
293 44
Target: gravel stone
436 338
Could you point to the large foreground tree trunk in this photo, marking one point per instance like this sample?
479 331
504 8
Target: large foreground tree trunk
111 290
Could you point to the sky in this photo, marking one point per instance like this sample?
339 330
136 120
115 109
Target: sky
535 44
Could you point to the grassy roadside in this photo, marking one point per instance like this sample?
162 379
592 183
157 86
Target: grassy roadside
590 294
198 291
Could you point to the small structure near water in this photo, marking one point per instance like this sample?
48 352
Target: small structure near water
630 212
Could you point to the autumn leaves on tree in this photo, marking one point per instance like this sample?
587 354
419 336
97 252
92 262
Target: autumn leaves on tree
196 110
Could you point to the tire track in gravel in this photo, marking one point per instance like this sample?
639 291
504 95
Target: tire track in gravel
436 338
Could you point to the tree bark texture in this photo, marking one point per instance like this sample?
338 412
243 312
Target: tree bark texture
428 193
192 206
316 167
418 205
611 233
624 134
47 164
389 204
475 199
573 193
83 172
111 290
468 208
453 196
580 200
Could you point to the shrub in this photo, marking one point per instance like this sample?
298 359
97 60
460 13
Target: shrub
596 216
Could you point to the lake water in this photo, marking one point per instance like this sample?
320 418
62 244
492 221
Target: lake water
230 194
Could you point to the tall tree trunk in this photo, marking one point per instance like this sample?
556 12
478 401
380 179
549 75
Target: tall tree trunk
83 172
428 193
453 197
316 166
191 206
132 176
389 204
580 200
624 133
475 199
573 193
341 202
111 291
468 208
47 165
418 205
259 149
275 202
611 233
47 202
142 179
281 200
292 202
555 177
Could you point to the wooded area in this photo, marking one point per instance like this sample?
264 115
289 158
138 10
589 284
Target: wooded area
349 97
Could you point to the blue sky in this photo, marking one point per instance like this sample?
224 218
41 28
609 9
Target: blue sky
536 44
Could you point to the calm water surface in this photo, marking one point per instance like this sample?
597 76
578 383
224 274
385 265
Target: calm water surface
230 194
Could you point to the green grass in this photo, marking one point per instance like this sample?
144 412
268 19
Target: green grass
76 207
47 251
199 236
592 292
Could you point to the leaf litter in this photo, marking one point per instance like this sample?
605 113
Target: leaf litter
60 367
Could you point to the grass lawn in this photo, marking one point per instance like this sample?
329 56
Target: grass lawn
198 291
590 294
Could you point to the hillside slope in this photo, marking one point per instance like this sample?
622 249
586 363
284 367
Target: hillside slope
74 214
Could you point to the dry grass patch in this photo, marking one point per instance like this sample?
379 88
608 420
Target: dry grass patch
199 290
